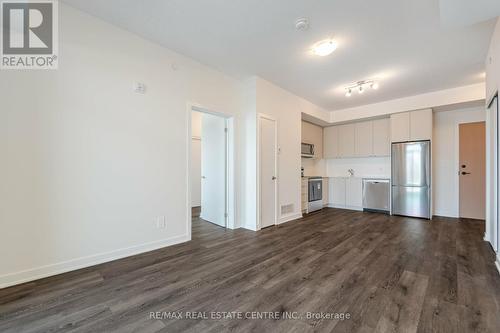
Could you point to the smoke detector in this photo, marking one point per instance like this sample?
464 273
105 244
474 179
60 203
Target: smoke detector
302 24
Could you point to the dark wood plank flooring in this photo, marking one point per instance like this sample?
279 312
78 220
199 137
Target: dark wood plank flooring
390 274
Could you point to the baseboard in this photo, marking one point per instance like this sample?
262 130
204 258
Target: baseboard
41 272
289 218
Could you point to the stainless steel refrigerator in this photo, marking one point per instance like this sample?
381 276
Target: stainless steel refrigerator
411 179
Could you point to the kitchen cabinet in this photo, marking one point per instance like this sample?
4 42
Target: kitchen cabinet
364 136
421 125
313 134
346 192
337 193
331 142
354 193
347 140
325 191
304 195
361 139
411 126
382 137
400 127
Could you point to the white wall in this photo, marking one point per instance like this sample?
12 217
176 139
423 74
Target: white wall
87 165
286 108
445 157
367 167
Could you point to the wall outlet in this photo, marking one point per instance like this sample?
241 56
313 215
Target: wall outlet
161 222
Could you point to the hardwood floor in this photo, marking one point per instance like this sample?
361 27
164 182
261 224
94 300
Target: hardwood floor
389 274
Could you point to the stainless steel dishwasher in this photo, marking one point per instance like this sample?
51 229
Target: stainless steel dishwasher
376 195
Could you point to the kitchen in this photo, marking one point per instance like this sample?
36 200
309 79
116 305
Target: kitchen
348 165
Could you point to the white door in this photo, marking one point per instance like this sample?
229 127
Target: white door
267 169
213 169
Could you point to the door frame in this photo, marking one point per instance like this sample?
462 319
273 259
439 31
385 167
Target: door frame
230 194
457 161
276 184
492 194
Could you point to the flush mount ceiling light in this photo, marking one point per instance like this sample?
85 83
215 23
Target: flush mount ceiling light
324 47
361 86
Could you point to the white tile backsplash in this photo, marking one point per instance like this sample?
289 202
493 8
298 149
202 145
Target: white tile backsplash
362 166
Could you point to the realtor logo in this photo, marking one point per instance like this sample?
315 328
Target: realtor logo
29 34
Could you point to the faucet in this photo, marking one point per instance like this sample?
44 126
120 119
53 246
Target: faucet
351 172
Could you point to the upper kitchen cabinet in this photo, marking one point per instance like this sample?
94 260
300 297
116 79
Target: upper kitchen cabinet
411 126
421 125
361 139
364 138
382 137
347 139
313 134
400 127
331 142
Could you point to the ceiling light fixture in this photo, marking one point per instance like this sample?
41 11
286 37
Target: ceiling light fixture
324 47
361 86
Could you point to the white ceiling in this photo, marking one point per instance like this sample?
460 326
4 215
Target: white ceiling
404 43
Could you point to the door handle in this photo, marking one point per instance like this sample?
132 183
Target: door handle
465 173
274 178
203 177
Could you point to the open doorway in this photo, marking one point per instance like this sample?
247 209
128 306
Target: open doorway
472 170
211 164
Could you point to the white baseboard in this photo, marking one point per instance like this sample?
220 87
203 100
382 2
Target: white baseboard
289 218
12 279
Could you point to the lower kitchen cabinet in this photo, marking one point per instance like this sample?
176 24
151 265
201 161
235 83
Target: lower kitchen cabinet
354 193
336 190
346 192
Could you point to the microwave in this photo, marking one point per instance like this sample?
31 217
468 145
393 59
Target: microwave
307 150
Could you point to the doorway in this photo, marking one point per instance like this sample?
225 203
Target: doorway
211 187
472 170
267 168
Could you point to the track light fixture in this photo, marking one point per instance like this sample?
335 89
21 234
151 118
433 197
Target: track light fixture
361 86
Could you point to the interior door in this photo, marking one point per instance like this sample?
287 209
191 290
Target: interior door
267 169
213 169
472 170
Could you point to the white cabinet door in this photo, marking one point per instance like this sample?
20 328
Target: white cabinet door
382 137
421 125
400 127
325 191
331 142
346 140
337 191
363 142
354 192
